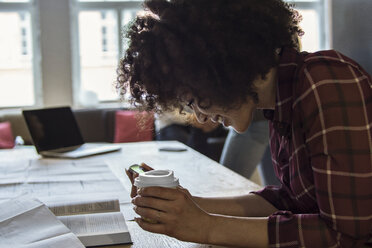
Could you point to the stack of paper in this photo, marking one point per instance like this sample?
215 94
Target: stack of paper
51 180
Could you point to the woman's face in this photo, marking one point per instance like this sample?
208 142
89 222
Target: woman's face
238 118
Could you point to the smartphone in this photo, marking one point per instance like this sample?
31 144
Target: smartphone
172 149
136 168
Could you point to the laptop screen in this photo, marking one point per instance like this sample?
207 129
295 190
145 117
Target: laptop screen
53 128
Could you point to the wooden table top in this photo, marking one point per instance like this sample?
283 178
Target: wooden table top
196 172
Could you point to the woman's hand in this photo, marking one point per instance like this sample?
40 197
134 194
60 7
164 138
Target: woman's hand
133 175
174 212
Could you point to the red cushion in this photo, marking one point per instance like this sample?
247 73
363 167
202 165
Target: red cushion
6 136
133 126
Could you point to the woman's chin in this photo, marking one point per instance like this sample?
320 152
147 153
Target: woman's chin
225 123
240 128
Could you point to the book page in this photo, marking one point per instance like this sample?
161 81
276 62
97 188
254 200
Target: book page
28 223
74 208
91 224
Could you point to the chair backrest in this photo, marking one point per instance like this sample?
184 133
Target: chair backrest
18 125
6 135
96 125
133 126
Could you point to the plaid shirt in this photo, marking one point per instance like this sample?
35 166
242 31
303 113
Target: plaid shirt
321 145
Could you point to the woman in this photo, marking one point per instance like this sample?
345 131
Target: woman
224 59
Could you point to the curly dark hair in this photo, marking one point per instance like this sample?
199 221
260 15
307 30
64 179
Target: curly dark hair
211 50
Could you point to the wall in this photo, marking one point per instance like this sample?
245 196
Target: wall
55 52
352 32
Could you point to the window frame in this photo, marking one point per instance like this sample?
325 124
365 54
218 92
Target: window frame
32 8
322 7
70 96
75 8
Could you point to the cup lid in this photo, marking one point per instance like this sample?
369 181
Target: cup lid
162 178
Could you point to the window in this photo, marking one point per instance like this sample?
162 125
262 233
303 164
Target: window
88 34
100 44
17 67
314 24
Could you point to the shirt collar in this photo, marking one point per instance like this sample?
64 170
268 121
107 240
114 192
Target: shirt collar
290 60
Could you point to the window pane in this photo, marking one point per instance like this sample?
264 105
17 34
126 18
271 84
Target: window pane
98 52
310 25
127 16
299 1
14 1
16 72
110 0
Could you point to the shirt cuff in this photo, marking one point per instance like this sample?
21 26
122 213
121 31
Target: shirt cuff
282 230
277 196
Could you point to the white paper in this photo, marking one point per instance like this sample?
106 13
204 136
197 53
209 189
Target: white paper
57 171
48 180
26 222
13 171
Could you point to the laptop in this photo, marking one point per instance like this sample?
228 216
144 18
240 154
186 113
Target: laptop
55 133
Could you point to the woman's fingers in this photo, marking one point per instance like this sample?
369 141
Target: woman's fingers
133 192
132 175
151 215
162 193
171 212
151 202
151 227
146 167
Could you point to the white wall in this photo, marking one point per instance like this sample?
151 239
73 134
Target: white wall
352 31
55 52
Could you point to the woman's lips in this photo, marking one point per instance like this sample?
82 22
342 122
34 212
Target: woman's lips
221 120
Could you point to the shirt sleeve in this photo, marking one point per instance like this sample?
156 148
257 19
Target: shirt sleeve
336 107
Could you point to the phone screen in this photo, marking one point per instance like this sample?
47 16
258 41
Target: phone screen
136 168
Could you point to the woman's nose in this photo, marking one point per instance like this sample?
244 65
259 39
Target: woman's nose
215 118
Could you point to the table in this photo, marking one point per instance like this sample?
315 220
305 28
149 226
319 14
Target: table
196 172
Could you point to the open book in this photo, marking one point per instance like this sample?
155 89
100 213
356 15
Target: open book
26 222
94 223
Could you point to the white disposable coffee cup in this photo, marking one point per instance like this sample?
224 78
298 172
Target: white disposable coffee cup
161 178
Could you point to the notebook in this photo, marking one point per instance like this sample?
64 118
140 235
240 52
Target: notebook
55 133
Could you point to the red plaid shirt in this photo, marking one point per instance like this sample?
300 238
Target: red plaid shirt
321 145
